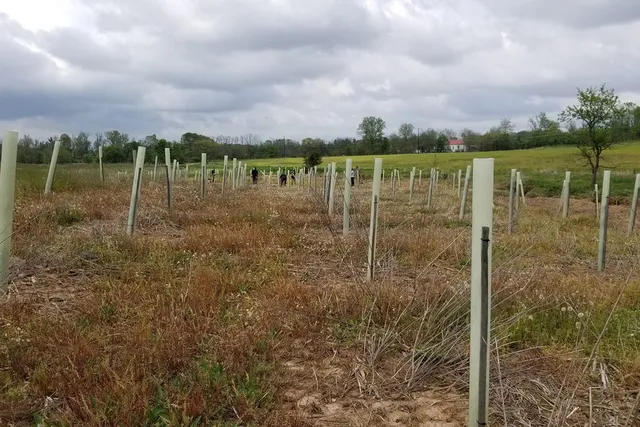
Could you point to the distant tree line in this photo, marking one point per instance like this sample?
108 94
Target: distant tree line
623 124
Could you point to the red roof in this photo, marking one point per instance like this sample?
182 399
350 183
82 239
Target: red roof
456 142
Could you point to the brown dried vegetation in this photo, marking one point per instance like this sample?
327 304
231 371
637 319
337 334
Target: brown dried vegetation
251 309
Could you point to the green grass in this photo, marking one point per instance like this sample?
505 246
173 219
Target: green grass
620 157
542 169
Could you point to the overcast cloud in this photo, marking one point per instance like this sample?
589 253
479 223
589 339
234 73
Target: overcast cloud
304 68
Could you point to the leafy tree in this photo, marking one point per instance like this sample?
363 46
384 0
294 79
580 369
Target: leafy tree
396 144
81 145
449 133
427 141
471 139
544 132
372 131
114 137
541 123
405 131
596 111
98 141
506 126
502 141
442 143
64 156
65 142
66 145
190 137
625 124
269 150
159 147
149 140
636 123
314 158
26 152
115 154
313 145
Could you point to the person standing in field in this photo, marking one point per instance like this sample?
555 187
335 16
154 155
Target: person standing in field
254 175
353 177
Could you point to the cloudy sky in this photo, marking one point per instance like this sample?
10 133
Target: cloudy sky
299 68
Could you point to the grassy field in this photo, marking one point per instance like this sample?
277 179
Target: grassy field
542 169
251 309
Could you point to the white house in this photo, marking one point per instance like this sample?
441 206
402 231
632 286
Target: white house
457 145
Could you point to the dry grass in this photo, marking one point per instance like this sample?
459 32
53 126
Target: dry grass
251 309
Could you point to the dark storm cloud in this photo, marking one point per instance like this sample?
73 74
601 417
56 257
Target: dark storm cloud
607 69
441 46
58 102
491 104
254 25
174 56
192 102
79 48
194 68
30 85
229 25
20 66
133 120
19 104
